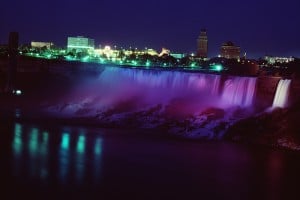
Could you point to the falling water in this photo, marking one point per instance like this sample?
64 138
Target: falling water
138 89
239 91
282 93
172 80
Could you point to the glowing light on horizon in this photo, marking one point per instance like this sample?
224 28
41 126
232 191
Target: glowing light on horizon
217 67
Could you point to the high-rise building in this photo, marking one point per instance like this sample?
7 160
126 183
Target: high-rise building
202 44
230 51
80 44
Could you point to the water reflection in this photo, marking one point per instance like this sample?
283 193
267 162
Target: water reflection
97 157
17 141
44 155
33 145
80 157
17 146
64 156
38 152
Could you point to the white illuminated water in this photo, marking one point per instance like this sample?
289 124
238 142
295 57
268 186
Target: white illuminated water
282 93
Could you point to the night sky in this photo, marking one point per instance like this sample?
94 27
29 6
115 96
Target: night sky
259 27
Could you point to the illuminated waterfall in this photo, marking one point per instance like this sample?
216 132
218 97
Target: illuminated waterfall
125 90
172 80
239 91
282 93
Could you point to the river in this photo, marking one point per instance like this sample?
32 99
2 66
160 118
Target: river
55 162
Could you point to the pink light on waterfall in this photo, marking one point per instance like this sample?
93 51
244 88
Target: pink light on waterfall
126 90
239 91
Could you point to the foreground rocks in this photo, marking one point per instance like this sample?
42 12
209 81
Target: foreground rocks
279 128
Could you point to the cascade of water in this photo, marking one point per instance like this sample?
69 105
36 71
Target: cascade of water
127 89
172 80
239 91
281 94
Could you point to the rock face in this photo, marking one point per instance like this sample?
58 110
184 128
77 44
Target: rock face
277 128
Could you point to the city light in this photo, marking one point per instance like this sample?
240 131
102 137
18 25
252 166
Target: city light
217 68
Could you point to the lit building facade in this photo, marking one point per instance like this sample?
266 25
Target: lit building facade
273 60
48 45
230 51
202 44
80 44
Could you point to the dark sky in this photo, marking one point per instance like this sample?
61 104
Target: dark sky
259 27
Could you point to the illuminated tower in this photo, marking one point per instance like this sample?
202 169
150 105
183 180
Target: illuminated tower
202 44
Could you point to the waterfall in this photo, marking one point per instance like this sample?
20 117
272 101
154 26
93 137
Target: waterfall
281 94
170 80
239 91
128 90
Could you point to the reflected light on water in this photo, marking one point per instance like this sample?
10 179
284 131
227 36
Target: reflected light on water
98 147
97 157
17 147
33 149
17 141
44 155
80 156
64 156
80 144
33 142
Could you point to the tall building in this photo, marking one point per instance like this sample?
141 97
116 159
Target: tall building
230 51
202 44
80 44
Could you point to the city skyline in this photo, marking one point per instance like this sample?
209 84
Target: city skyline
259 28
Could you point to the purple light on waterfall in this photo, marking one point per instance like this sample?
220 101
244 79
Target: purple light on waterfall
239 91
125 90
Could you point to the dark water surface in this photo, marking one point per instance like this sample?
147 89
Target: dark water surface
56 162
